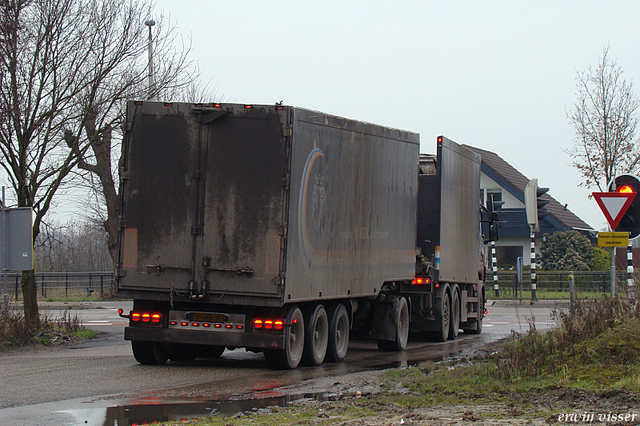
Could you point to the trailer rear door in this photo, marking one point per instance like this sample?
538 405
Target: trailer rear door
203 201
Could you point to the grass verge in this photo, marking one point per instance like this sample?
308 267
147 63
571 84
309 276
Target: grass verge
588 365
14 332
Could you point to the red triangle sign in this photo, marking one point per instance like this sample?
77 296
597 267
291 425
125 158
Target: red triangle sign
614 205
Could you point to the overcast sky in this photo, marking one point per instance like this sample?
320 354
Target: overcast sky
497 75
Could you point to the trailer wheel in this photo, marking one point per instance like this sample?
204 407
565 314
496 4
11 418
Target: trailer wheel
183 353
402 329
207 351
338 334
442 334
149 353
454 323
289 357
316 336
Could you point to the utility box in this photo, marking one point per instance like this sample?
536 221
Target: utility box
16 239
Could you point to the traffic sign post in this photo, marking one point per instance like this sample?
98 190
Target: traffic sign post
614 205
620 208
613 239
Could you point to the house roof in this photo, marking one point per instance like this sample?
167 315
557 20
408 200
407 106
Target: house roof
515 182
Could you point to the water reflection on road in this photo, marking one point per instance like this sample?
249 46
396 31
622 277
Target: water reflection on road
242 382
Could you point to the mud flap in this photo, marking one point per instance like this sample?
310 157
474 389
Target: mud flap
385 317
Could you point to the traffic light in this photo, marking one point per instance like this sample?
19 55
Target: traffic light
533 203
630 222
493 207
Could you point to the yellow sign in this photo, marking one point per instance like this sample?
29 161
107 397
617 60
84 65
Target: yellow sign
613 239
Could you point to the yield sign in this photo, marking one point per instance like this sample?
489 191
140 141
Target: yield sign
614 205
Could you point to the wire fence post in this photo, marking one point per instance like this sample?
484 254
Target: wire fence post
572 289
89 289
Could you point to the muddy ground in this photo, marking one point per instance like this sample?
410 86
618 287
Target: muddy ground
549 406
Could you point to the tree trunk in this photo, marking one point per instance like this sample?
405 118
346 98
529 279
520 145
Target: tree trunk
30 297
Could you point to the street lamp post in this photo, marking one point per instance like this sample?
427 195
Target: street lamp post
150 23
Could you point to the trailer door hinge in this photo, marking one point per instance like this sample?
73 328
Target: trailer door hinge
209 116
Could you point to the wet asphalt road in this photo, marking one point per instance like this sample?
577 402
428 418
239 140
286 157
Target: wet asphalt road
93 383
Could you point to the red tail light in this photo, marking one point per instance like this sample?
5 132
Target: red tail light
421 281
267 324
155 317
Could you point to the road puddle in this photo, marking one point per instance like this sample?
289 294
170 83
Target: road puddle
182 411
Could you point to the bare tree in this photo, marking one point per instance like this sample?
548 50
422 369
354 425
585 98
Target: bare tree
75 246
605 117
65 67
41 56
119 72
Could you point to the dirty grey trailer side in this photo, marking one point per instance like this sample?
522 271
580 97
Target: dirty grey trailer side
450 271
249 225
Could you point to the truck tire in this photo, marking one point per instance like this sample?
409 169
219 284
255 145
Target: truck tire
207 351
454 323
289 357
338 334
316 336
183 353
402 329
442 334
149 353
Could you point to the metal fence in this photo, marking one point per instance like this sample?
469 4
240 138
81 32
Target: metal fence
550 285
64 284
553 285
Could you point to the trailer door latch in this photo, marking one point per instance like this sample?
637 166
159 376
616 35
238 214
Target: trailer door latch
239 270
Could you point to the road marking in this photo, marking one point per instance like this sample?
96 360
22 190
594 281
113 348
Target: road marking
104 322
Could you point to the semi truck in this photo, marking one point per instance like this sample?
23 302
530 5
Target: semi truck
285 231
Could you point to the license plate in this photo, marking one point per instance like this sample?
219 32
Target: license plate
207 317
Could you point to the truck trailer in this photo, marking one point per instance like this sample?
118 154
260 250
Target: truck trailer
284 230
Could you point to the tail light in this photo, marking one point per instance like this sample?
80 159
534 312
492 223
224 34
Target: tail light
421 281
268 324
147 317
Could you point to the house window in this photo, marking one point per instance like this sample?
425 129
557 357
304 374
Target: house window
494 194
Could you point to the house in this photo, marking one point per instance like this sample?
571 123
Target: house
504 183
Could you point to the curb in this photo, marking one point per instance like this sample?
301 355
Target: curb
540 304
60 306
